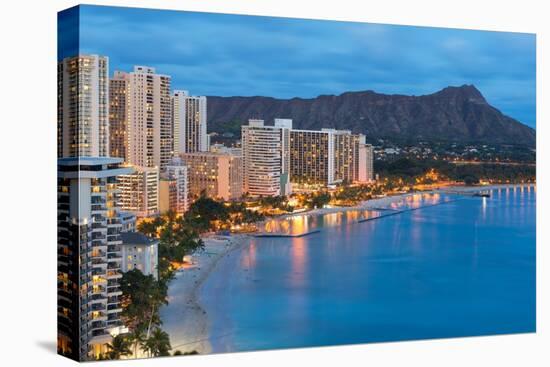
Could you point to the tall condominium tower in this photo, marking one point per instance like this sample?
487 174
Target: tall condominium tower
139 191
328 156
312 158
89 256
346 156
173 188
118 115
217 173
148 117
189 123
366 163
83 107
266 157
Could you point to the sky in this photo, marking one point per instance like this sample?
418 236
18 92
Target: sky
239 55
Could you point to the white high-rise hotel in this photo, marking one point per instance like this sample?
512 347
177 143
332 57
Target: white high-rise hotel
274 157
83 106
148 117
189 123
266 151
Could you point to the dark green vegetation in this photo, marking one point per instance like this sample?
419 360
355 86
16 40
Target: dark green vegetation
207 214
409 169
459 114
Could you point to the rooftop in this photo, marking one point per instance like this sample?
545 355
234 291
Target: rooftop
88 161
136 238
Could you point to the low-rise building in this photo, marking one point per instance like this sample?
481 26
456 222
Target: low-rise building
139 252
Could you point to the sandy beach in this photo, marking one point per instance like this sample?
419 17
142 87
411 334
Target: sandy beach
186 321
183 318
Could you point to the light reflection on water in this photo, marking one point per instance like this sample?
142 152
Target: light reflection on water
300 224
463 268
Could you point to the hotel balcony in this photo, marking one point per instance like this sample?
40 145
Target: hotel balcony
98 208
114 256
114 308
94 298
114 291
114 321
64 294
98 236
113 265
99 262
113 274
114 238
98 253
98 225
98 326
99 243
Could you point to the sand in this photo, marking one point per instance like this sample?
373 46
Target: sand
183 318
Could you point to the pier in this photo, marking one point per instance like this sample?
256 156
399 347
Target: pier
294 235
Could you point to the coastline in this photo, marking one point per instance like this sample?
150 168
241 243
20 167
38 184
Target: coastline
373 204
185 319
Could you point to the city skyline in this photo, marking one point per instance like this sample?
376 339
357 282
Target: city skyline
283 57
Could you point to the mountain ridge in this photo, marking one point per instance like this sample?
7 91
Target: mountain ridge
454 113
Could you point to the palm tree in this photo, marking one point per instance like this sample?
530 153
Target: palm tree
118 347
137 338
158 343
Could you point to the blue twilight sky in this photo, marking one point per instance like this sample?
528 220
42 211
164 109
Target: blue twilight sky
237 55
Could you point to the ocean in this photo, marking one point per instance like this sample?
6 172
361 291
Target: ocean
456 266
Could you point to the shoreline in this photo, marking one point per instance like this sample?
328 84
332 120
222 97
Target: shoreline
188 326
375 203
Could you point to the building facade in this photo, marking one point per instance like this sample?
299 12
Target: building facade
311 158
139 191
118 116
139 252
89 255
366 163
174 188
83 106
218 173
189 123
148 117
346 155
266 158
127 221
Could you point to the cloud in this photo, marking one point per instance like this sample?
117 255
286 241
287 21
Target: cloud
220 54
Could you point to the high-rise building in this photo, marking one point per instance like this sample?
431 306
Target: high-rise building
89 255
346 156
311 158
366 160
266 157
83 106
118 115
324 157
174 188
148 117
189 123
139 191
217 173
